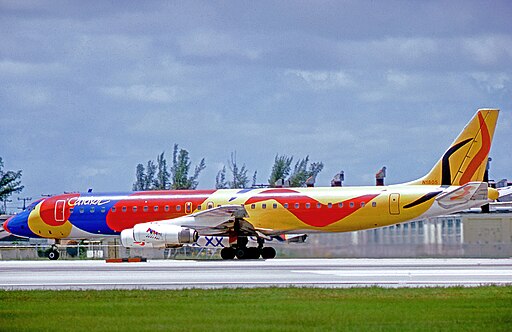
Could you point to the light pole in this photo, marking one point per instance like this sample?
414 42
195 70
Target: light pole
24 199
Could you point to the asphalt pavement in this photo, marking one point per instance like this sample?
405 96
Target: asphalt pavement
179 274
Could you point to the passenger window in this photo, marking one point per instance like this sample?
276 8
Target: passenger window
199 208
263 206
166 208
318 205
155 208
113 209
285 205
329 205
297 205
340 205
274 206
71 210
82 210
374 204
134 209
102 209
308 205
146 209
351 204
124 208
362 204
92 209
253 206
178 207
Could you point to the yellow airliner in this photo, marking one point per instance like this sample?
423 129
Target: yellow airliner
160 219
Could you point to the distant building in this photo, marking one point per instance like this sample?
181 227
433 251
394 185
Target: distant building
337 180
461 235
380 176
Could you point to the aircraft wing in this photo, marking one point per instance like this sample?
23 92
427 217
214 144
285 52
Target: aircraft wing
471 191
215 221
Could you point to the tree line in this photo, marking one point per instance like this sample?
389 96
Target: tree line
179 174
10 183
157 175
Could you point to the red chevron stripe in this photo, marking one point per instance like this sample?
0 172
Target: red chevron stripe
318 215
480 156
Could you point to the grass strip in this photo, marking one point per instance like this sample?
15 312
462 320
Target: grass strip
260 309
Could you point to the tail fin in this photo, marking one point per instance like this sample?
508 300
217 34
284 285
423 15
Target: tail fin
466 159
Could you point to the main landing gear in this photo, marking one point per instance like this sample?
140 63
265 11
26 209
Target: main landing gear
241 251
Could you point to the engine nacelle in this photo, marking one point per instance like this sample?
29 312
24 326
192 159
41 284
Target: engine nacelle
153 235
128 241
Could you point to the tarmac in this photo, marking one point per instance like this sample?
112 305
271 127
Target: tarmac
181 274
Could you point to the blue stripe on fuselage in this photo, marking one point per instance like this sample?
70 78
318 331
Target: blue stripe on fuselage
92 218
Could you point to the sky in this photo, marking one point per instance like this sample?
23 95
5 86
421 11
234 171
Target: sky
89 89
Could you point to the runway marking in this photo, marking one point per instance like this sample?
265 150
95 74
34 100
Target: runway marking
405 273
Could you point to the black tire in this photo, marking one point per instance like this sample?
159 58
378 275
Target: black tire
53 255
227 253
253 253
241 253
268 253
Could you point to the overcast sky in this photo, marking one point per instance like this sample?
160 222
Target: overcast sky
88 89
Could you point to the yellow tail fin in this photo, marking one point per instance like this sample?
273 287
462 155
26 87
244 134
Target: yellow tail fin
466 159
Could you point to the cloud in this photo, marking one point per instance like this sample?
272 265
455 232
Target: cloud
26 96
493 82
29 70
322 80
489 50
204 43
142 93
89 172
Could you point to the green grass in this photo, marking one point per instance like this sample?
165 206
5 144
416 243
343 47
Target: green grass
282 309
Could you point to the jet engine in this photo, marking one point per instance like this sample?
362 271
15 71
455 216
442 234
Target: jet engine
153 235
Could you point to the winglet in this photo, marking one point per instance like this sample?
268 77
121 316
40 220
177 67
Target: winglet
466 159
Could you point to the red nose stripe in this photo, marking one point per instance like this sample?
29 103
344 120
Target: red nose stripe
5 225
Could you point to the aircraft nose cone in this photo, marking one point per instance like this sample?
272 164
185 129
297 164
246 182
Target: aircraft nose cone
5 225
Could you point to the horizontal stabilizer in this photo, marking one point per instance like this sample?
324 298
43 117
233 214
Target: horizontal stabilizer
505 191
472 191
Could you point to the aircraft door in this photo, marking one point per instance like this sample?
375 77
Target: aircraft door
394 204
188 207
59 214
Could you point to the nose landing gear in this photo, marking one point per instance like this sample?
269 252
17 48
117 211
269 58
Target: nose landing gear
53 254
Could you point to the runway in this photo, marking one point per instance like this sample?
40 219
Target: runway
179 274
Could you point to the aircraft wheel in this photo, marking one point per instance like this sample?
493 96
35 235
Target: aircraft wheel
268 253
242 253
227 253
53 255
253 253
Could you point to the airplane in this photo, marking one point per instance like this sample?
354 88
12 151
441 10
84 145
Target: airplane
173 218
